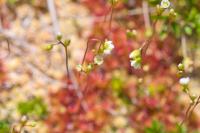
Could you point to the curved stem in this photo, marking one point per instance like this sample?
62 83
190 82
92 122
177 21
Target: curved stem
195 105
87 47
190 109
67 64
66 58
186 114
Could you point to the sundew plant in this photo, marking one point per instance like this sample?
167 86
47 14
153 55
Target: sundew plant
137 71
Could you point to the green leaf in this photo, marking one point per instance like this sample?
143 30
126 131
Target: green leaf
156 127
116 84
34 107
11 2
192 14
4 127
188 30
181 129
176 29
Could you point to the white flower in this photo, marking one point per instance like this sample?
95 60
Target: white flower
135 58
135 54
98 60
108 47
165 4
184 81
79 67
135 64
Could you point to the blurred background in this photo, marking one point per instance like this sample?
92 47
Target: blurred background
113 98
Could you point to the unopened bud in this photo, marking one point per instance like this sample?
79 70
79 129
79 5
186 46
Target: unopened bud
59 37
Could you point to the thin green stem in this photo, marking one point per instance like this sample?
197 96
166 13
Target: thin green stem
67 61
66 58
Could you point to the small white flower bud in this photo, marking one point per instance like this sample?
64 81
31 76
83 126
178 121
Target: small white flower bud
165 4
184 81
24 119
135 64
79 67
108 47
98 60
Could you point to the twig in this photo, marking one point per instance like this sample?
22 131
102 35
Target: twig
79 93
186 114
6 39
190 109
70 72
52 10
195 105
87 47
67 64
149 40
184 46
145 9
8 44
111 17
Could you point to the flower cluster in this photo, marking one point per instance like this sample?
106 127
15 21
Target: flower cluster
136 55
184 82
85 68
105 49
136 58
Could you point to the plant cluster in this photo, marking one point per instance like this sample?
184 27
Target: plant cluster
126 82
126 91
